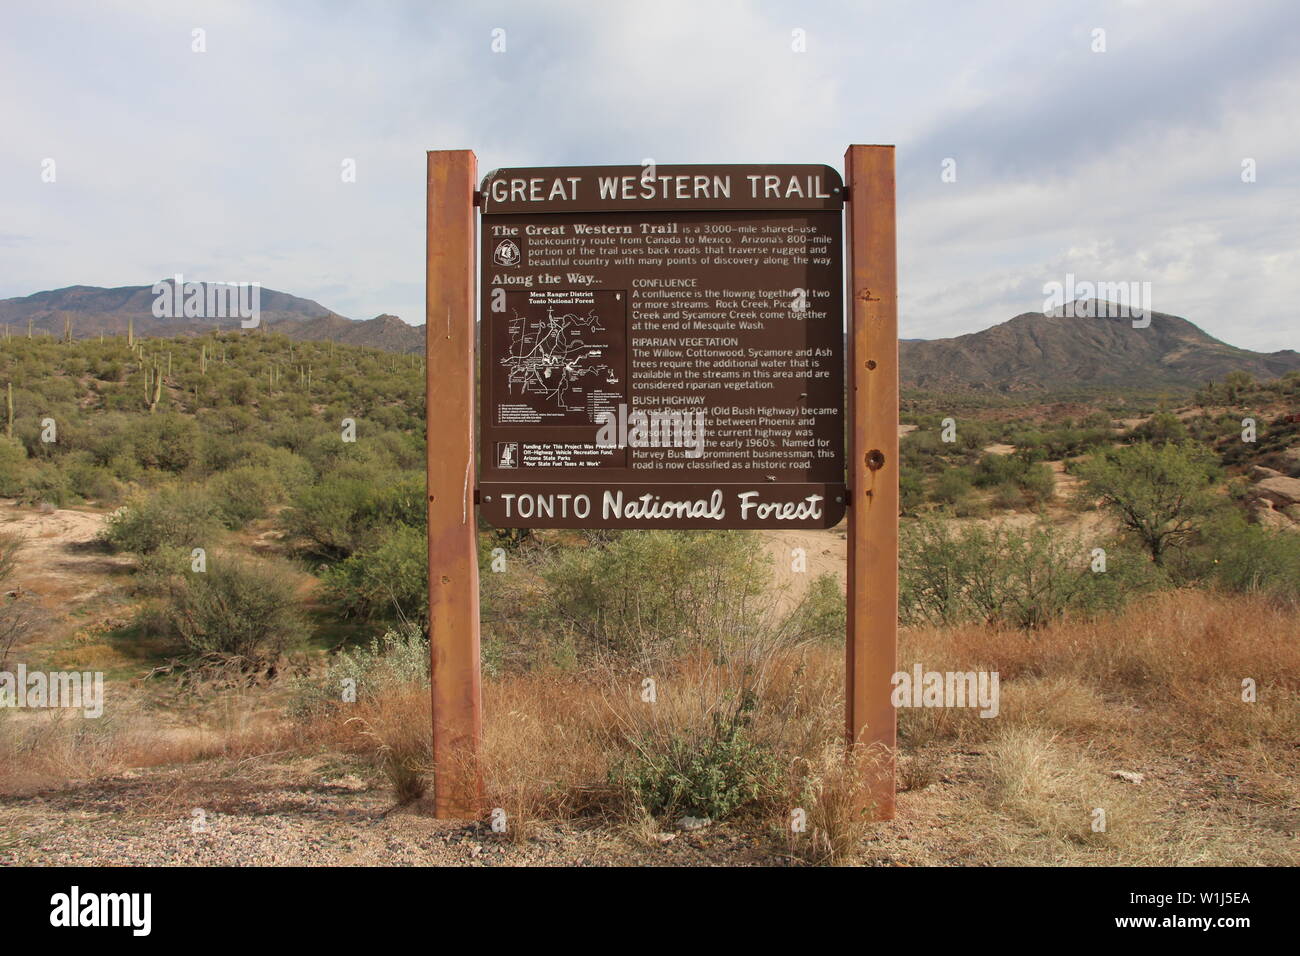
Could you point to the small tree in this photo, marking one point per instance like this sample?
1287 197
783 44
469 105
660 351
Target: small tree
19 615
1158 492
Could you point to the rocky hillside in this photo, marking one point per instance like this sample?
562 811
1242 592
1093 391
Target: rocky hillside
1037 352
93 310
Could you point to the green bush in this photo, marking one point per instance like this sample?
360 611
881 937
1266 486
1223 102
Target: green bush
387 580
399 658
662 587
1031 478
342 515
246 493
166 442
333 514
180 517
47 482
952 487
1246 558
821 614
237 609
94 483
1004 575
710 774
993 469
1161 429
911 491
14 470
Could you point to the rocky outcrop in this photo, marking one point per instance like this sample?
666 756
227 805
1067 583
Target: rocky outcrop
1273 501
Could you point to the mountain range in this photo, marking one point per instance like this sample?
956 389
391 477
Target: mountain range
1043 352
1031 352
94 310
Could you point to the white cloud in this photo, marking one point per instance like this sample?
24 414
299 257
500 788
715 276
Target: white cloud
227 163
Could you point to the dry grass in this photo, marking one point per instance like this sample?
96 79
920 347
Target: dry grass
65 745
1173 664
1156 690
830 800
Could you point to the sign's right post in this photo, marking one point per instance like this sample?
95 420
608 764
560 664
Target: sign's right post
871 647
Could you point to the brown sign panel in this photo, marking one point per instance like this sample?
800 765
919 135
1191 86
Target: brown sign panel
662 347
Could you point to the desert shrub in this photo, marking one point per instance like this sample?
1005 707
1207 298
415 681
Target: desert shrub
1031 478
167 442
1063 441
332 514
401 501
993 469
398 658
660 587
709 774
952 487
93 482
387 580
1245 558
157 569
1007 496
294 470
13 467
344 514
1161 429
237 609
821 614
181 517
47 482
1037 483
246 493
1003 575
911 491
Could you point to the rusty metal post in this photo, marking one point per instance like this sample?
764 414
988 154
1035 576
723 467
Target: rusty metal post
872 639
449 431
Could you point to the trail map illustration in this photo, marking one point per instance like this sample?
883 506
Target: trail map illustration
561 356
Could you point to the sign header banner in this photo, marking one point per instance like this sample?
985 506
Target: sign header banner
649 187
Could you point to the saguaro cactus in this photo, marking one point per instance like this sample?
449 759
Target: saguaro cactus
9 410
157 390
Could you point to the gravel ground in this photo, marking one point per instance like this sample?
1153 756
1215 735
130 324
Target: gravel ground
328 811
149 819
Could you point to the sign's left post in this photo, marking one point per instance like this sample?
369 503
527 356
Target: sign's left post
449 434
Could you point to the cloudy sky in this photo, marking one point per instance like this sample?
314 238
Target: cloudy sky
1122 165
